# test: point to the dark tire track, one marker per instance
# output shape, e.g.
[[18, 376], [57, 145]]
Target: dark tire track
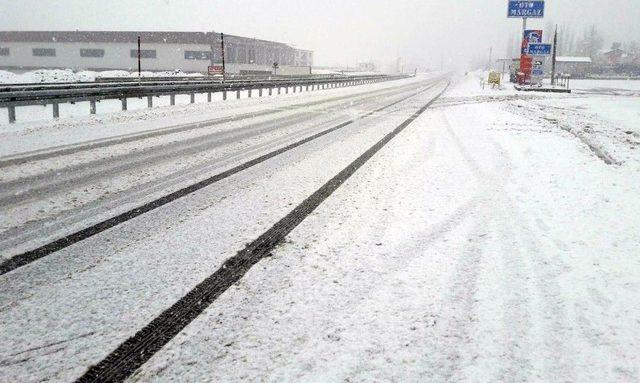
[[28, 257], [137, 350]]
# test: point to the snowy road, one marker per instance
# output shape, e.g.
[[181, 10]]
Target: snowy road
[[487, 241], [54, 190]]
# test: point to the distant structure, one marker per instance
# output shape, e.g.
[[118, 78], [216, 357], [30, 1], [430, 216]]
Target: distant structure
[[161, 51], [366, 67], [576, 67]]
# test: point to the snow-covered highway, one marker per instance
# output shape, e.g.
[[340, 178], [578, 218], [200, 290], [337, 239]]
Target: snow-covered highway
[[484, 239]]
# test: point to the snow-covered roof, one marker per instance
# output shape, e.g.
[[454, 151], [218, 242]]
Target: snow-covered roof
[[571, 59]]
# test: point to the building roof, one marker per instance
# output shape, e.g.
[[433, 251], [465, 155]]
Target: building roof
[[616, 51], [127, 37], [105, 37], [570, 59]]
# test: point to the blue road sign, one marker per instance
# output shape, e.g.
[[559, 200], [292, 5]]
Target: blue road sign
[[538, 72], [526, 8], [533, 36], [539, 49]]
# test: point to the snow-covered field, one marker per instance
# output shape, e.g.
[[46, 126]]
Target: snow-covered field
[[485, 244], [495, 239]]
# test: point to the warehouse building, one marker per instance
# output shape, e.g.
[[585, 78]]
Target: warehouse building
[[160, 51]]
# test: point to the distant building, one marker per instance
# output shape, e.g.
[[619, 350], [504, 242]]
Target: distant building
[[576, 67], [366, 67], [161, 51], [614, 56]]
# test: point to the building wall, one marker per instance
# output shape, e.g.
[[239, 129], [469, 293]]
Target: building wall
[[116, 56], [240, 54]]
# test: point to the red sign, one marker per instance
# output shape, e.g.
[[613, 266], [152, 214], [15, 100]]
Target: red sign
[[216, 69], [526, 64]]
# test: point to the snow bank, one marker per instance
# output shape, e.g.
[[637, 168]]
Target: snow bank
[[68, 75]]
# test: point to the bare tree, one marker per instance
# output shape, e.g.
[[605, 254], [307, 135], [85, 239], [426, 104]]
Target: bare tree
[[591, 42]]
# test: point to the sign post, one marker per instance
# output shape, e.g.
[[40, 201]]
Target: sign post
[[526, 9]]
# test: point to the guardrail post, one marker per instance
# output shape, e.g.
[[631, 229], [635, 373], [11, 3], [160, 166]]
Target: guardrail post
[[300, 88], [249, 92], [149, 101], [238, 94], [192, 98], [279, 89], [307, 88], [172, 99], [209, 97], [56, 110], [12, 114], [270, 91], [92, 106], [260, 92], [124, 103], [286, 89], [295, 88], [224, 95]]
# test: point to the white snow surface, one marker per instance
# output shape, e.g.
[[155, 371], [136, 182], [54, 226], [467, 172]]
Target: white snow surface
[[479, 246], [76, 125], [490, 241], [68, 75]]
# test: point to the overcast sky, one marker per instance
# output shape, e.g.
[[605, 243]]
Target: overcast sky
[[423, 32]]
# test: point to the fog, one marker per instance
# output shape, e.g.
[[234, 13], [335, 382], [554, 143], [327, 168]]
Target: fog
[[426, 33]]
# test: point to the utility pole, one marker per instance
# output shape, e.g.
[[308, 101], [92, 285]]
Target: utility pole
[[224, 69], [553, 59], [139, 60]]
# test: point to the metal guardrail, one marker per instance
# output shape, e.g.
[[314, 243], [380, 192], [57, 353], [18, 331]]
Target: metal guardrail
[[124, 81], [12, 96]]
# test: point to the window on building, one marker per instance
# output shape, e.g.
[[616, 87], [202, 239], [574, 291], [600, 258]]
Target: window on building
[[144, 53], [92, 53], [197, 55], [4, 51], [44, 52]]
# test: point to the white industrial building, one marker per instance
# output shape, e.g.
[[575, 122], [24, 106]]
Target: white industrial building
[[160, 51]]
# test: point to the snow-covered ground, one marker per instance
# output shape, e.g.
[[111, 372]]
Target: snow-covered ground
[[495, 239], [482, 245], [68, 75]]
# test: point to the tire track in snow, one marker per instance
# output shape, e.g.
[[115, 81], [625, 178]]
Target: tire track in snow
[[26, 258], [457, 343], [136, 351]]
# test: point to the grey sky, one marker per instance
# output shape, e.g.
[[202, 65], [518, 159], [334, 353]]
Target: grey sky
[[340, 32]]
